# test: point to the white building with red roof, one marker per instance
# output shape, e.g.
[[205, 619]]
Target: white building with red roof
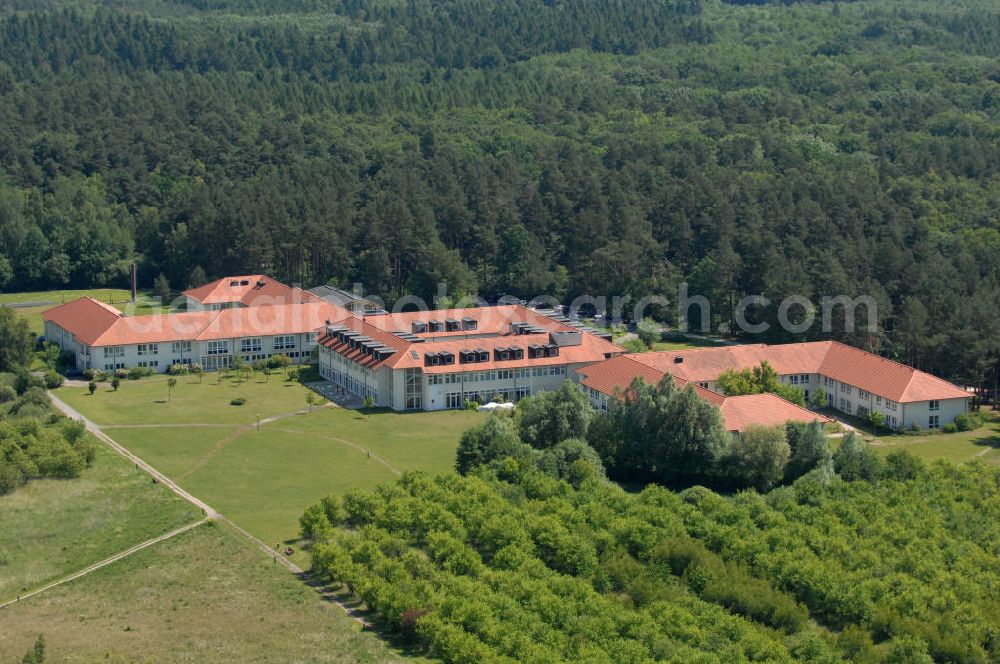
[[244, 291], [104, 338], [432, 360], [854, 381]]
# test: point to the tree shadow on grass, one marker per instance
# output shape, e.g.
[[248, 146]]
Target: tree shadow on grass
[[339, 593], [988, 441]]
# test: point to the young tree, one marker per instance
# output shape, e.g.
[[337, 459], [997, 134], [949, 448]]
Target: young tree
[[809, 447], [92, 387], [494, 439], [817, 399], [313, 399], [876, 419], [759, 380], [648, 331], [197, 277], [51, 352], [757, 457], [660, 433], [551, 417], [161, 288], [115, 383], [856, 460], [37, 653], [16, 340], [171, 383], [197, 370]]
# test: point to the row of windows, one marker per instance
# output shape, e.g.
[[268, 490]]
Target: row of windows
[[799, 378], [147, 349], [151, 364], [488, 376], [458, 399]]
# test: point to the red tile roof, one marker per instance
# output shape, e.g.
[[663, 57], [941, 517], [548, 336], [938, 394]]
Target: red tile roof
[[740, 412], [615, 376], [490, 320], [878, 375], [86, 318], [97, 324], [250, 290]]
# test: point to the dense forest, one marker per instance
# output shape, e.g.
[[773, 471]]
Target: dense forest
[[513, 564], [609, 147], [530, 553]]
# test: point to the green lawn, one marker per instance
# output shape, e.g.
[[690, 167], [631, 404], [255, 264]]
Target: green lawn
[[982, 443], [207, 595], [145, 401], [264, 479], [113, 296], [51, 528]]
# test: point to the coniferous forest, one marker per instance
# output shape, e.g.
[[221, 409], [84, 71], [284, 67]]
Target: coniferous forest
[[609, 147]]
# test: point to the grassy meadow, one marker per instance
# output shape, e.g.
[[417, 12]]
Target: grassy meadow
[[207, 595], [982, 443], [264, 478], [50, 528]]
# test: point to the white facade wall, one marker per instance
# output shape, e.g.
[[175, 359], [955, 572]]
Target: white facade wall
[[439, 391], [160, 355], [357, 379], [852, 400], [921, 412]]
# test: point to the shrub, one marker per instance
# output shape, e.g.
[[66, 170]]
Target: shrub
[[92, 387], [968, 421], [279, 361], [89, 374], [7, 393], [53, 380], [121, 373], [178, 370], [135, 373], [102, 377], [951, 427], [116, 383], [292, 374], [238, 401]]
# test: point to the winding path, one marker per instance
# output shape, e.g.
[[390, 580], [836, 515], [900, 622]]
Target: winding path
[[208, 511]]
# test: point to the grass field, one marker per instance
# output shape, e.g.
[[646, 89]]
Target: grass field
[[50, 528], [205, 596], [114, 296], [145, 401], [264, 479], [982, 443]]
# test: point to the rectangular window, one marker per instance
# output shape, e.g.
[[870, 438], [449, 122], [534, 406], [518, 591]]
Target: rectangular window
[[179, 347], [933, 422], [251, 345], [413, 383], [284, 342], [148, 349], [220, 347], [934, 405]]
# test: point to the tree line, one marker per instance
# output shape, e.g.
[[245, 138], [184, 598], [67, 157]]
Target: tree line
[[605, 147], [509, 562]]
